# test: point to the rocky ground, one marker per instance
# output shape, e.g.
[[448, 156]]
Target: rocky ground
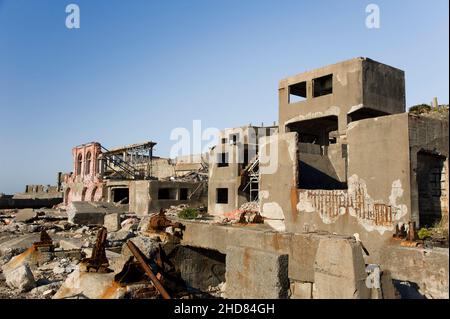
[[31, 269]]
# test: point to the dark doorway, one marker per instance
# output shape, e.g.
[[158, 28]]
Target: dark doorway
[[431, 188], [120, 195], [184, 193]]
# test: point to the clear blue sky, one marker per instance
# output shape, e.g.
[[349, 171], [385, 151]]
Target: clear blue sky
[[137, 69]]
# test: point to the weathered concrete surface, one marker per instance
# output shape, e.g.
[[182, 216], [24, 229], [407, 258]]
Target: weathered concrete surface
[[199, 268], [301, 290], [112, 222], [25, 215], [278, 166], [19, 245], [357, 83], [144, 195], [20, 278], [254, 273], [429, 269], [300, 247], [90, 285], [339, 270], [84, 213]]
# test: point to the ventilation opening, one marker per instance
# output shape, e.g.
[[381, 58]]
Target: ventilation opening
[[120, 195], [323, 85], [297, 92], [432, 188], [222, 160], [167, 193], [364, 113], [184, 193], [222, 196]]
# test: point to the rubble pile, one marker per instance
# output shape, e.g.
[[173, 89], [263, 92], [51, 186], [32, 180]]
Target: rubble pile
[[248, 213], [48, 254]]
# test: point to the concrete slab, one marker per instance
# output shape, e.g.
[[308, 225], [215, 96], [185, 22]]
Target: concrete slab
[[254, 273]]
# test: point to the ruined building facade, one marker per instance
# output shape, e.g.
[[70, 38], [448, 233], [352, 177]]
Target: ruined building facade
[[348, 159], [129, 175]]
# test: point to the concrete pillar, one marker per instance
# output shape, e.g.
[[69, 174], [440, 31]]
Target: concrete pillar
[[257, 274], [339, 270]]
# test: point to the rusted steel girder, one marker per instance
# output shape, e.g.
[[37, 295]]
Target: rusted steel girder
[[138, 255], [44, 241], [160, 222], [98, 261]]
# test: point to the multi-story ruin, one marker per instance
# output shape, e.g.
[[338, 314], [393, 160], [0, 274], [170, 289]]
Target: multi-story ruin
[[129, 175]]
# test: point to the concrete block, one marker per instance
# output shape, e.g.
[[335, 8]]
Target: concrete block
[[84, 213], [302, 256], [112, 222], [90, 285], [25, 215], [301, 290], [20, 278], [254, 273], [339, 270]]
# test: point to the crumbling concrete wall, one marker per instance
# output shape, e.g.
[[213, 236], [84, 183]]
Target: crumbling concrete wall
[[278, 180], [428, 268], [241, 147], [146, 196], [431, 137], [256, 274], [356, 84], [341, 255]]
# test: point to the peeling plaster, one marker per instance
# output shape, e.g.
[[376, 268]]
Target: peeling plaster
[[356, 201], [272, 210]]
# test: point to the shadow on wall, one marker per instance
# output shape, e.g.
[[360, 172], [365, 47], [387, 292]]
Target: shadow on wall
[[312, 178], [407, 289]]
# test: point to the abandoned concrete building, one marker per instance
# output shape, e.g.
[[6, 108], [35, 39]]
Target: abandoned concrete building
[[336, 192], [233, 169], [130, 175]]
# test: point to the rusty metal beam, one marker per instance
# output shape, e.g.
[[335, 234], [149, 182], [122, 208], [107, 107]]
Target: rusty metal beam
[[138, 255]]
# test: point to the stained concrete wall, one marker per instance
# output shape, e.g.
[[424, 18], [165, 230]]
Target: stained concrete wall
[[429, 135], [230, 176], [357, 83], [379, 185], [303, 249], [144, 195], [278, 180]]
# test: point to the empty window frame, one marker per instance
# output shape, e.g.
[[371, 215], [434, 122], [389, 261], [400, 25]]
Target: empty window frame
[[224, 140], [167, 193], [297, 92], [184, 193], [323, 85], [79, 164], [234, 138], [222, 196], [222, 160], [88, 163]]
